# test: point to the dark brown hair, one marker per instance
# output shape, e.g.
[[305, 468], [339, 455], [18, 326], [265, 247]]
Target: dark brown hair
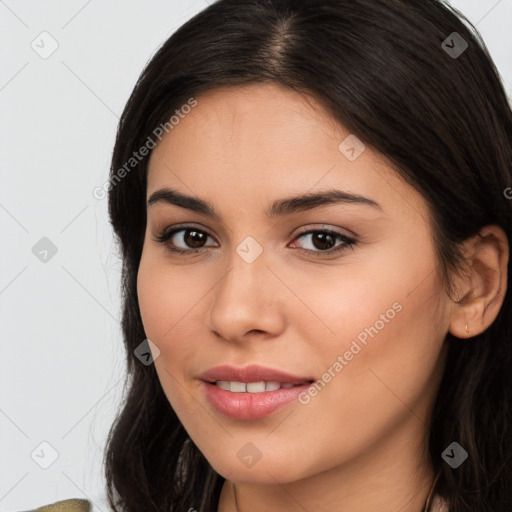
[[380, 67]]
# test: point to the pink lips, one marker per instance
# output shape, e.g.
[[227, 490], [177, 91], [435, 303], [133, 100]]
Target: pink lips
[[250, 406], [251, 373]]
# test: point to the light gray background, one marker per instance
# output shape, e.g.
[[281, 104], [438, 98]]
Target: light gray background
[[62, 362]]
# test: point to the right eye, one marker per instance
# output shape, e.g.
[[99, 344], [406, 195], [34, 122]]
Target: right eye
[[192, 237]]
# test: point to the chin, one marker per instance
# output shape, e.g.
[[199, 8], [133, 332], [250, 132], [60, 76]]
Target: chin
[[267, 470]]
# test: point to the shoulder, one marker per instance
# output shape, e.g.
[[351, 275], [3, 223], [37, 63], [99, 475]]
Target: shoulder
[[73, 505]]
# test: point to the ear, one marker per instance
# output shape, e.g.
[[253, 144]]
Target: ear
[[483, 283]]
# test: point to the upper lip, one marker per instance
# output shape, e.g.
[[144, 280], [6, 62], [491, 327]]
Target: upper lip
[[250, 373]]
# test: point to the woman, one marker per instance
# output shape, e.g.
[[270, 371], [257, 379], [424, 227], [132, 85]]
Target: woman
[[366, 368]]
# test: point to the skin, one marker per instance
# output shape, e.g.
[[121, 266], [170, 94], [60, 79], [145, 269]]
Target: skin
[[360, 444]]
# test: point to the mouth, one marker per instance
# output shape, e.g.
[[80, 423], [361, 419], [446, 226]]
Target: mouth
[[252, 392], [256, 387], [242, 404]]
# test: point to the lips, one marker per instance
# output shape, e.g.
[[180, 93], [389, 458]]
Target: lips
[[251, 392], [252, 373]]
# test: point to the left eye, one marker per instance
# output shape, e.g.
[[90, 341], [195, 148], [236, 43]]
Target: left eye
[[193, 240], [325, 240]]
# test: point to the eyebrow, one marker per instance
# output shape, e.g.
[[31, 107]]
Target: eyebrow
[[278, 208]]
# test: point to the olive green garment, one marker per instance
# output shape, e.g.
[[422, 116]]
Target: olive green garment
[[74, 505]]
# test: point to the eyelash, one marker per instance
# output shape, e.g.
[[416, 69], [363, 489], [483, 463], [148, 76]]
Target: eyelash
[[165, 236]]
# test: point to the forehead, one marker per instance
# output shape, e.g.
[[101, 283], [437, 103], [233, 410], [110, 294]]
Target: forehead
[[249, 144], [251, 120]]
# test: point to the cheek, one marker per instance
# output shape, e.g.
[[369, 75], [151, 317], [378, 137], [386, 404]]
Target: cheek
[[389, 334], [165, 297], [153, 301], [340, 304], [170, 302], [164, 302], [386, 323]]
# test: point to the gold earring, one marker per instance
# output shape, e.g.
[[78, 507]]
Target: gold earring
[[467, 330]]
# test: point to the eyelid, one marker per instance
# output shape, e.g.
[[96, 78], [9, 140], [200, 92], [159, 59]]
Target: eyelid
[[170, 231], [327, 227]]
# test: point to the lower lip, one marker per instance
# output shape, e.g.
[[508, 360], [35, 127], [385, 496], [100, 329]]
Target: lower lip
[[250, 406]]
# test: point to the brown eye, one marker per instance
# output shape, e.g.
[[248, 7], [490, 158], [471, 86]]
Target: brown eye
[[323, 241], [190, 239], [194, 238]]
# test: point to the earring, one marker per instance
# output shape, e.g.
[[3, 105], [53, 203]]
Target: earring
[[467, 330]]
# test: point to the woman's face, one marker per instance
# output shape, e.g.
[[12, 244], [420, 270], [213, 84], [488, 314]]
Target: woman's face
[[353, 312]]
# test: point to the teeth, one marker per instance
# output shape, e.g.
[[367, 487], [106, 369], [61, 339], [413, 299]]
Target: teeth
[[272, 386], [223, 384], [253, 387], [238, 387]]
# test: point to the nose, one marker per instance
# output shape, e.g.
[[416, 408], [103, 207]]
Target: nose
[[248, 301]]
